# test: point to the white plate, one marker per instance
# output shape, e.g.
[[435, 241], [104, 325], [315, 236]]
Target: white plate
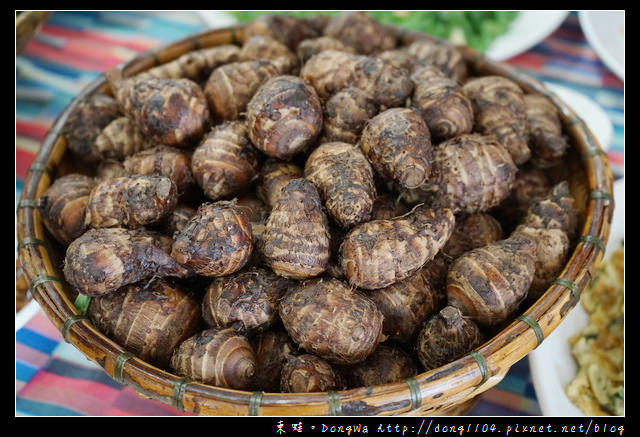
[[589, 111], [552, 366], [605, 32], [525, 31]]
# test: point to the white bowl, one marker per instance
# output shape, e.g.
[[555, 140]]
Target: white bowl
[[605, 32]]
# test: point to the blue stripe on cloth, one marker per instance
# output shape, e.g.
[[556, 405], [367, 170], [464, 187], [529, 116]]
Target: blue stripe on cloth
[[33, 408], [76, 371], [35, 340], [24, 371], [19, 185]]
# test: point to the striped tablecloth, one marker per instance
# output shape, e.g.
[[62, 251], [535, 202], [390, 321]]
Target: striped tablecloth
[[52, 377]]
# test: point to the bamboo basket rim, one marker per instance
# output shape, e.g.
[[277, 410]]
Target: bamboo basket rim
[[429, 392]]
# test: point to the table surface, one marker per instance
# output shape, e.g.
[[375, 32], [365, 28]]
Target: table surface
[[73, 48]]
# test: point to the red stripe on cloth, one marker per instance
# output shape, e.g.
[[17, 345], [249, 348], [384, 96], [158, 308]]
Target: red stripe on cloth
[[129, 400], [75, 60], [43, 326], [23, 161], [580, 50], [530, 61], [31, 356], [99, 392], [134, 42], [30, 129], [611, 80]]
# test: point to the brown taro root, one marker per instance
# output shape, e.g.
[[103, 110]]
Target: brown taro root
[[131, 201], [119, 139], [196, 65], [385, 365], [379, 253], [257, 211], [397, 142], [308, 373], [471, 173], [295, 241], [271, 350], [103, 260], [386, 207], [109, 169], [177, 219], [546, 141], [250, 297], [309, 47], [162, 161], [442, 104], [216, 241], [218, 357], [444, 56], [329, 71], [231, 86], [64, 206], [284, 117], [445, 337], [406, 304], [399, 58], [489, 283], [360, 31], [499, 108], [273, 177], [225, 162], [328, 318], [344, 179], [265, 47], [284, 28], [149, 319], [173, 112], [85, 123], [556, 210], [345, 114]]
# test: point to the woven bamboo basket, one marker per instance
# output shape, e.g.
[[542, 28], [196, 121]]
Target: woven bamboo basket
[[449, 390]]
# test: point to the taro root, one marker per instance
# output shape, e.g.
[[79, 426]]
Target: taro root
[[329, 71], [295, 242], [344, 179], [225, 162], [265, 47], [131, 201], [385, 207], [442, 104], [309, 47], [273, 177], [328, 318], [399, 58], [85, 123], [250, 297], [495, 90], [109, 169], [284, 117], [196, 65], [361, 31], [379, 253], [64, 206], [231, 86], [470, 232], [103, 260], [397, 142], [172, 112], [149, 319], [406, 304], [284, 28], [161, 160], [445, 337], [177, 219], [345, 114], [556, 210], [471, 173], [489, 283], [271, 350], [444, 56], [385, 365], [119, 139], [216, 241], [308, 373], [546, 141], [255, 209], [218, 357]]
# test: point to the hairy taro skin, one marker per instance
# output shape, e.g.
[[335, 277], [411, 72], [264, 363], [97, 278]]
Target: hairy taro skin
[[445, 337], [149, 319], [119, 139], [309, 47], [274, 175], [265, 47], [547, 143], [296, 241], [328, 318], [344, 179], [397, 142], [361, 31], [387, 364], [489, 283], [64, 206], [288, 30], [307, 373], [345, 114], [386, 207], [379, 253], [216, 241], [284, 117], [218, 357], [225, 162], [162, 160], [271, 351], [103, 260], [443, 56], [508, 127], [177, 219], [131, 201]]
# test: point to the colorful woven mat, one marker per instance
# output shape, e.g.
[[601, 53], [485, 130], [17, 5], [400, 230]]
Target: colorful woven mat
[[52, 377]]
